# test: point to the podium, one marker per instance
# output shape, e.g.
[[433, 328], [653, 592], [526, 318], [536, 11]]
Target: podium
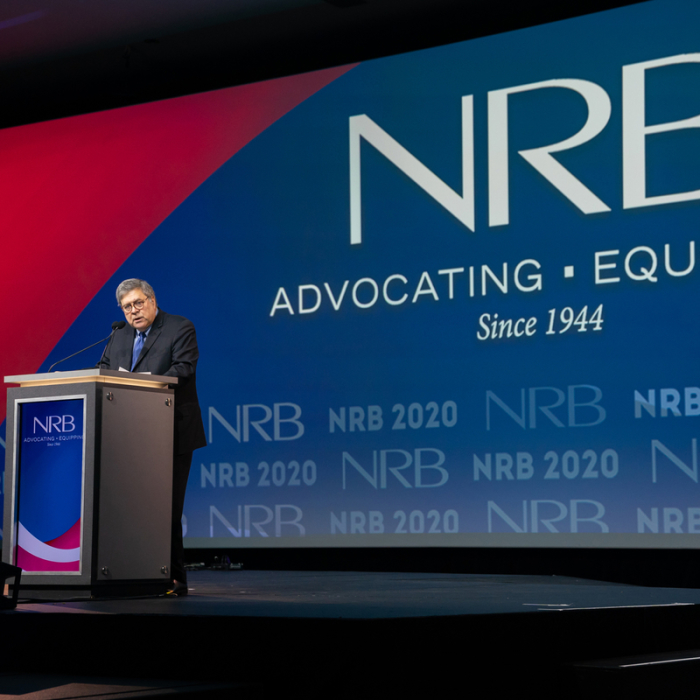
[[88, 481]]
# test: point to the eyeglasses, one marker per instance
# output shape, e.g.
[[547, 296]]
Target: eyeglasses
[[134, 306]]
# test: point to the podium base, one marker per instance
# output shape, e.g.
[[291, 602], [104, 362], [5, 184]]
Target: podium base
[[121, 589]]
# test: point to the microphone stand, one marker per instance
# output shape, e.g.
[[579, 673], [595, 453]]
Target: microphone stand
[[115, 327]]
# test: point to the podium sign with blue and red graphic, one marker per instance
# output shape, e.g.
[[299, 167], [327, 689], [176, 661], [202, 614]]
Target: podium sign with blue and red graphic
[[50, 476]]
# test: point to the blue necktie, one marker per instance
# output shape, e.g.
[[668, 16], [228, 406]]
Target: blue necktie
[[140, 338]]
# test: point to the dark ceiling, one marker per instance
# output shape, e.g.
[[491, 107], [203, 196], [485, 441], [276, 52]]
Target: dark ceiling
[[64, 57]]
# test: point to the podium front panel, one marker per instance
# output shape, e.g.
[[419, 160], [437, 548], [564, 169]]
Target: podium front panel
[[135, 484]]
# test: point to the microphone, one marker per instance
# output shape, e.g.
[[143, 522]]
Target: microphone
[[115, 327]]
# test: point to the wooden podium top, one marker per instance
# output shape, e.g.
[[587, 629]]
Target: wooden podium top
[[82, 376]]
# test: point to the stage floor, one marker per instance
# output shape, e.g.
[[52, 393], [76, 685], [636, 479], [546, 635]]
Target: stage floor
[[316, 635], [356, 595]]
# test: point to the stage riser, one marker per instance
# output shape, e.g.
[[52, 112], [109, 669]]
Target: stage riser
[[503, 651]]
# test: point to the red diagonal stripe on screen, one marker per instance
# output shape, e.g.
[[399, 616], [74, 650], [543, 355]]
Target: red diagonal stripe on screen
[[78, 196]]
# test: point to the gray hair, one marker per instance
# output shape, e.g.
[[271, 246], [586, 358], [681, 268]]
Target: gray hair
[[129, 285]]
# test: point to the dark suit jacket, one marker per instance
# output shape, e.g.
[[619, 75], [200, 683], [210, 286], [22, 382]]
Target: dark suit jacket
[[170, 350]]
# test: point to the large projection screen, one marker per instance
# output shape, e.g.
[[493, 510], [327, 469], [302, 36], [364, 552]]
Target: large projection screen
[[444, 298]]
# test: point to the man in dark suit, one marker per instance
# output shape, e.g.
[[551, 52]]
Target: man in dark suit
[[159, 343]]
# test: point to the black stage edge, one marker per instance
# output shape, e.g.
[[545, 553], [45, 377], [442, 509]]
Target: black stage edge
[[376, 635], [31, 686], [670, 568]]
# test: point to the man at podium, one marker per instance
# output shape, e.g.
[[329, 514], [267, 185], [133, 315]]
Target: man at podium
[[160, 343]]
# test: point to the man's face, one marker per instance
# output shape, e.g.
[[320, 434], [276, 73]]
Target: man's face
[[142, 318]]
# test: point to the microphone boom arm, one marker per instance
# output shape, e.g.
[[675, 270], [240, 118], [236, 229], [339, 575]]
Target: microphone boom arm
[[115, 326]]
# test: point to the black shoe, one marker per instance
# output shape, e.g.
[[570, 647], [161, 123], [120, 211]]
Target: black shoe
[[178, 590]]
